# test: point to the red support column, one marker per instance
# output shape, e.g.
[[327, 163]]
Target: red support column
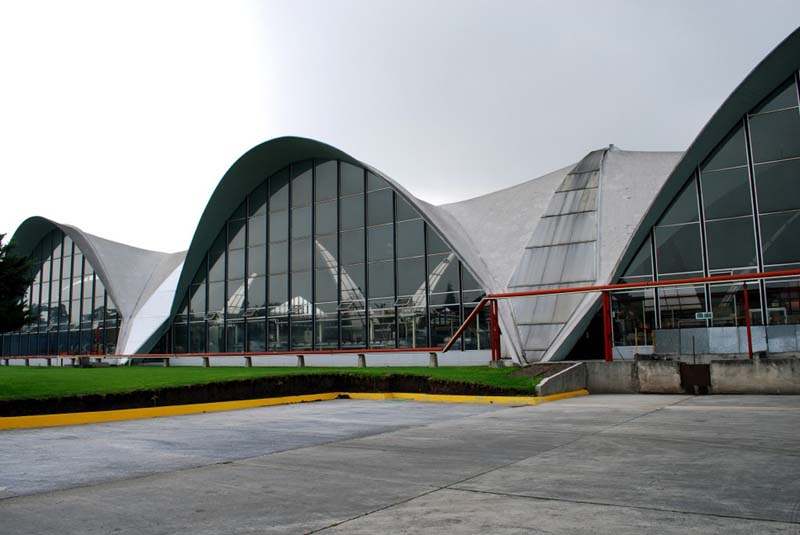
[[494, 330], [607, 327], [747, 322]]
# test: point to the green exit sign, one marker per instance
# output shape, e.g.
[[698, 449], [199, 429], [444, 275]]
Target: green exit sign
[[703, 315]]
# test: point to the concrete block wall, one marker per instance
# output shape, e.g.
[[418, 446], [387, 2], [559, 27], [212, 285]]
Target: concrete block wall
[[659, 377], [760, 376]]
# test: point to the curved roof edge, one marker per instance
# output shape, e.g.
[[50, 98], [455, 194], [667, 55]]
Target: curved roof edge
[[129, 274], [763, 79], [34, 229], [250, 170]]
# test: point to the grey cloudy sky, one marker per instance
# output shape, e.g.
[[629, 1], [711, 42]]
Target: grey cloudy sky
[[121, 117]]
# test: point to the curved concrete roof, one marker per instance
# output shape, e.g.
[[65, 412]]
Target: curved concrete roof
[[130, 275], [773, 70]]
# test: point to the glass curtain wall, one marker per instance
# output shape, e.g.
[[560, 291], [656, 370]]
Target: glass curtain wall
[[324, 255], [738, 213], [74, 314]]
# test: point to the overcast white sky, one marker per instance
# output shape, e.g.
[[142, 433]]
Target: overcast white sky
[[121, 117]]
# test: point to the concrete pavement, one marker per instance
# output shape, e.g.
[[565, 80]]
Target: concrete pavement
[[598, 464]]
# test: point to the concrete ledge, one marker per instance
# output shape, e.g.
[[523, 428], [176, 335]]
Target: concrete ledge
[[659, 377], [760, 376], [568, 380]]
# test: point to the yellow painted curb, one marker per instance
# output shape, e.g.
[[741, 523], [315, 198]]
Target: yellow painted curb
[[77, 418]]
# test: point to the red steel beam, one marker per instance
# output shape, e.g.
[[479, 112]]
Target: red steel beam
[[607, 342], [747, 323]]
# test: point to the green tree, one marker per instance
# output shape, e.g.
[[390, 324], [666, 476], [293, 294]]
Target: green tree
[[16, 274]]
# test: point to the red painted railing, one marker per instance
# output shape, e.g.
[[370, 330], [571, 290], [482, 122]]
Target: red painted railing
[[604, 290]]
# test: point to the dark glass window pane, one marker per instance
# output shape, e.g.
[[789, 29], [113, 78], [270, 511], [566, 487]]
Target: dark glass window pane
[[779, 234], [327, 332], [326, 218], [727, 305], [353, 329], [235, 303], [327, 288], [641, 264], [375, 182], [413, 326], [278, 226], [301, 183], [302, 333], [410, 276], [325, 252], [257, 201], [778, 186], [278, 333], [444, 322], [278, 293], [278, 257], [236, 264], [301, 254], [410, 238], [257, 231], [301, 222], [301, 288], [256, 295], [352, 179], [380, 243], [257, 261], [678, 248], [180, 342], [435, 242], [379, 207], [197, 303], [325, 176], [730, 153], [775, 136], [679, 306], [352, 215], [443, 299], [783, 302], [443, 273], [783, 97], [279, 191], [382, 326], [683, 208], [468, 280], [726, 193], [197, 337], [216, 296], [256, 336], [353, 283], [404, 210], [381, 279], [216, 337], [352, 247], [217, 262], [731, 243]]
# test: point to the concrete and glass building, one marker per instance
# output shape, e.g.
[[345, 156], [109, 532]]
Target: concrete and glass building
[[304, 248]]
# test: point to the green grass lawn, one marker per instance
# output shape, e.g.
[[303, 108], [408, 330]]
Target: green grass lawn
[[18, 382]]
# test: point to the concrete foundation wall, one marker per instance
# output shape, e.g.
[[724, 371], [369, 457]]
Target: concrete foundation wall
[[451, 358], [569, 380], [611, 377], [659, 377], [761, 376]]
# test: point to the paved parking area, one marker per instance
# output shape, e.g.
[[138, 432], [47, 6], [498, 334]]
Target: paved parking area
[[596, 464]]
